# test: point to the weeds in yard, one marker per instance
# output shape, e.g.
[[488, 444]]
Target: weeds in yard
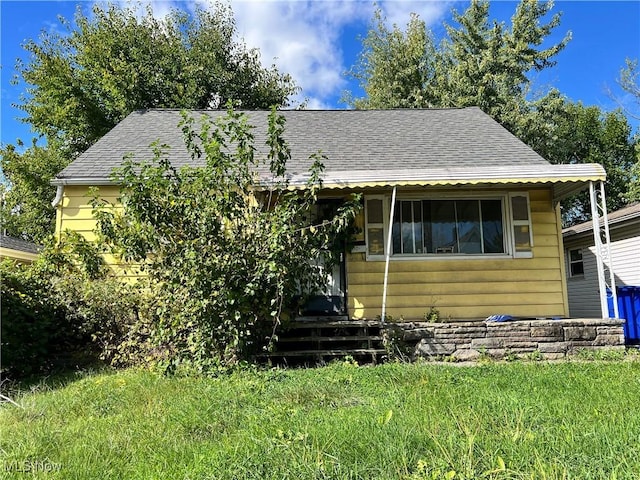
[[535, 356], [510, 356], [433, 315], [484, 356], [396, 421], [606, 354]]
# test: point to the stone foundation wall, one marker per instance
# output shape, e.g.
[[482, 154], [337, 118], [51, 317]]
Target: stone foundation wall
[[551, 339]]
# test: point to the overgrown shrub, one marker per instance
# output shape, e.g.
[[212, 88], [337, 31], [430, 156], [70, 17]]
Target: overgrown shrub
[[64, 310], [227, 254], [30, 322]]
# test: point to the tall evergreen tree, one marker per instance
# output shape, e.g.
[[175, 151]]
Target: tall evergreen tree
[[480, 63]]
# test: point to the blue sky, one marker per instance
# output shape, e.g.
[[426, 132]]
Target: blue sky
[[317, 41]]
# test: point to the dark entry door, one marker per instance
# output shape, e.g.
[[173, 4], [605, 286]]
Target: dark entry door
[[331, 300]]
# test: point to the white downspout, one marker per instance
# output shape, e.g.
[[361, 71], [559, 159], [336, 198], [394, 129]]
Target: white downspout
[[59, 192], [57, 204], [387, 255]]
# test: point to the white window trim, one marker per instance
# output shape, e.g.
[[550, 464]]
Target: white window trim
[[570, 262], [507, 222], [514, 223], [385, 221]]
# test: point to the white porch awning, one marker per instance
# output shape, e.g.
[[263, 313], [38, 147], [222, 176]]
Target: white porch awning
[[566, 179]]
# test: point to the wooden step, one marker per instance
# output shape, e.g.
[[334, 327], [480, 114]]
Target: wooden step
[[354, 338], [328, 353], [314, 322], [310, 339]]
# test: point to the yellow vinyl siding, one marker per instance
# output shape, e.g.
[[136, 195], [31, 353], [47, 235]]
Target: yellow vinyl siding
[[460, 288], [76, 213], [463, 288]]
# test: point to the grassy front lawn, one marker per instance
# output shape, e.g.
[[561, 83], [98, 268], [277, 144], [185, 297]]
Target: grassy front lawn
[[521, 420]]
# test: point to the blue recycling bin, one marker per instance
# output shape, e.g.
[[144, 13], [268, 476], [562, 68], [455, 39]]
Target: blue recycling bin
[[629, 309]]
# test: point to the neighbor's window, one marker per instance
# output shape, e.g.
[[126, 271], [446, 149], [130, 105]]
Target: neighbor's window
[[448, 227], [576, 264]]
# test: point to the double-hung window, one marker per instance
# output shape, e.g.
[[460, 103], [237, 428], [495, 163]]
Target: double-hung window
[[521, 222], [498, 225], [576, 263]]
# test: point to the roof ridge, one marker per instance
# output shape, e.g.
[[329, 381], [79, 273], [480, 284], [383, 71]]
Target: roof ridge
[[429, 109]]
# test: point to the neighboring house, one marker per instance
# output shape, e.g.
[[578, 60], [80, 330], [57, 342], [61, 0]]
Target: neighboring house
[[475, 226], [580, 254], [20, 251]]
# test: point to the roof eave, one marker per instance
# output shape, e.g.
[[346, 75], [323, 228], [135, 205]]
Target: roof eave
[[585, 229], [86, 181]]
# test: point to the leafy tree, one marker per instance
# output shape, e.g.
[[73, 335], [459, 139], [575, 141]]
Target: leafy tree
[[633, 193], [225, 255], [566, 132], [630, 82], [26, 209], [82, 82], [395, 68]]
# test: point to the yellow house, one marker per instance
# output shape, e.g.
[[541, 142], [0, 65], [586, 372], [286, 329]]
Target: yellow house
[[458, 213], [18, 250]]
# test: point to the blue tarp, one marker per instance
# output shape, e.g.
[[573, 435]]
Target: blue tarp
[[499, 318]]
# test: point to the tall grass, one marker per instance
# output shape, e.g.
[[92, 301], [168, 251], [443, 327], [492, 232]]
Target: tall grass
[[498, 421]]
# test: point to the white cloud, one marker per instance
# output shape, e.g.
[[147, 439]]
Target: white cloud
[[398, 11], [160, 8], [302, 38], [305, 38]]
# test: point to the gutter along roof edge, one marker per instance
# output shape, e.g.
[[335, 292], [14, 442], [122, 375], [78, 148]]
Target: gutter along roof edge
[[88, 181]]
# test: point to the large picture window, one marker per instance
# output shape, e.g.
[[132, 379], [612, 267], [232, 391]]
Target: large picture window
[[448, 227], [440, 227]]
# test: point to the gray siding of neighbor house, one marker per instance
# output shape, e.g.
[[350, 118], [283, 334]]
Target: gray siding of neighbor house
[[584, 299], [582, 290], [626, 256]]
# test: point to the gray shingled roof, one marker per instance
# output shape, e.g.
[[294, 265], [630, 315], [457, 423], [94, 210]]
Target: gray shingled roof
[[623, 215], [353, 140], [18, 244]]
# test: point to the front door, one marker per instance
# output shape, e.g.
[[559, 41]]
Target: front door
[[331, 299]]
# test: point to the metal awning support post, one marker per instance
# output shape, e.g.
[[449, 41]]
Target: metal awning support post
[[387, 255], [606, 277]]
